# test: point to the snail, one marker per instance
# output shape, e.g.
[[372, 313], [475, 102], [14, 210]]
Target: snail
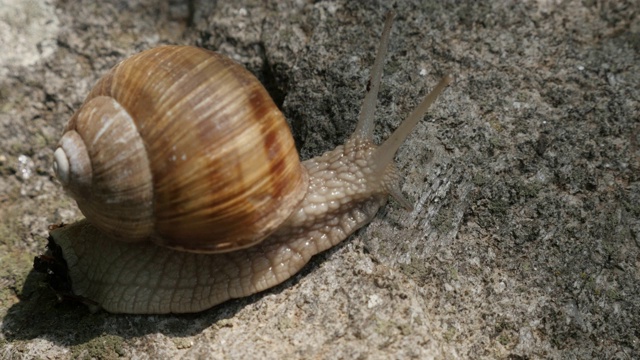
[[192, 188]]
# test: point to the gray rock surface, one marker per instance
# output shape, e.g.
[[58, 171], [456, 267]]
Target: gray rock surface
[[525, 237]]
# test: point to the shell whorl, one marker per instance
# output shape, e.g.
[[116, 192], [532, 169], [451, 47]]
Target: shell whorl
[[212, 165], [108, 172]]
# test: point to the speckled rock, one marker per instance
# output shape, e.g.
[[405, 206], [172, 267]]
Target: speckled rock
[[524, 241]]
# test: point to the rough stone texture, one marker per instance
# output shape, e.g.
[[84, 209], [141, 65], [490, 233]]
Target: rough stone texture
[[525, 237]]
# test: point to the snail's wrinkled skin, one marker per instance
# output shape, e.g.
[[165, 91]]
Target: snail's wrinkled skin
[[147, 278]]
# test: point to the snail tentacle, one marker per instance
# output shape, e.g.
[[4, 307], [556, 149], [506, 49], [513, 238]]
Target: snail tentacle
[[385, 153], [364, 128]]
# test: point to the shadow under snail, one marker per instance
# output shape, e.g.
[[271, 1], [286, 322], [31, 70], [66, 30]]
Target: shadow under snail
[[194, 198]]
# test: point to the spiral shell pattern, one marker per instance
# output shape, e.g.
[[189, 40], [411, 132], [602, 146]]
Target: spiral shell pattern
[[182, 146]]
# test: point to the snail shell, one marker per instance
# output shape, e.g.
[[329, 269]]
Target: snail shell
[[182, 146]]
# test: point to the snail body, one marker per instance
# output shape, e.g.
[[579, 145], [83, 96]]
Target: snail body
[[212, 205]]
